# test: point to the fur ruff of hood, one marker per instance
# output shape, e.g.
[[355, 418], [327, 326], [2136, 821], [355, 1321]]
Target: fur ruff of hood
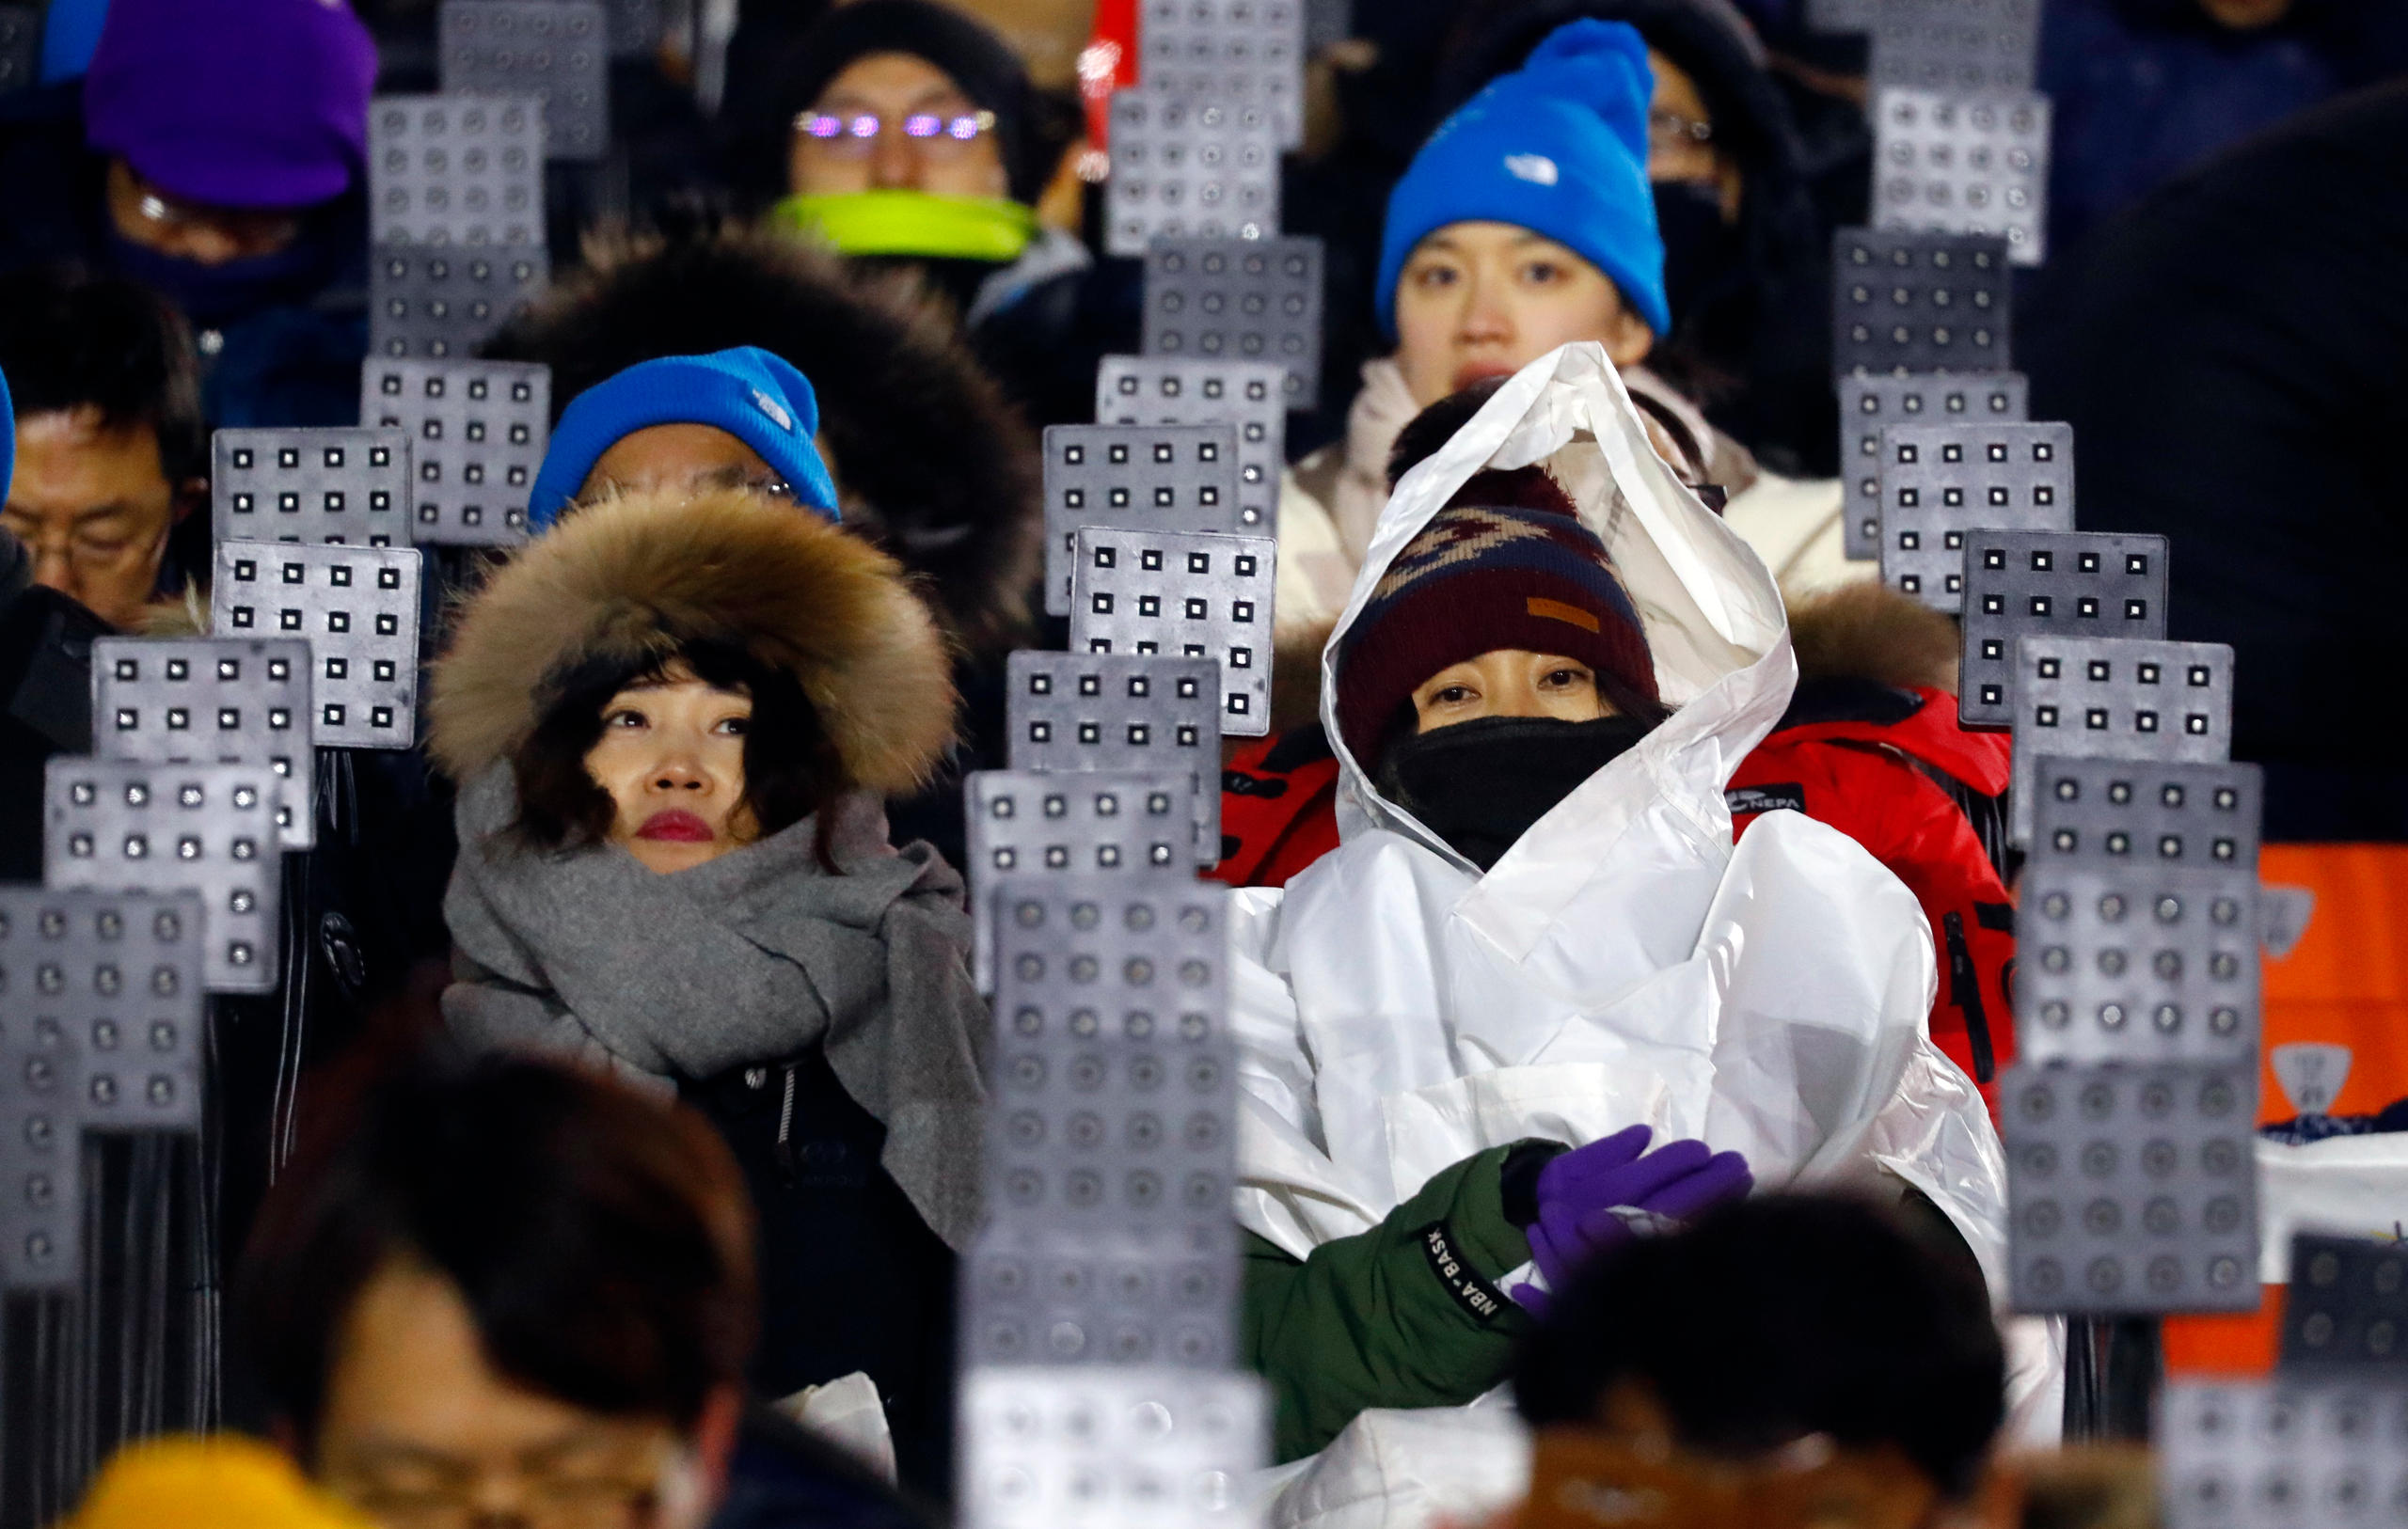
[[931, 460], [633, 576], [1869, 631]]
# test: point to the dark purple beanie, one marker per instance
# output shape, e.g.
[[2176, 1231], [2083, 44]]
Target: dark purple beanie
[[247, 103]]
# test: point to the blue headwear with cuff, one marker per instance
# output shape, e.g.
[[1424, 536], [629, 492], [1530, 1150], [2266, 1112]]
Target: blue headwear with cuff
[[1558, 147], [8, 439], [747, 392]]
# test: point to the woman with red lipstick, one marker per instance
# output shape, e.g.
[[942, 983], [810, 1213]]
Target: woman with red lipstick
[[672, 719]]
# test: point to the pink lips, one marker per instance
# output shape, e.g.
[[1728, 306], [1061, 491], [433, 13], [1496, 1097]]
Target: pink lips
[[1477, 371], [677, 826]]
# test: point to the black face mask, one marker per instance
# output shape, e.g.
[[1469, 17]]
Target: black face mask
[[1480, 784], [1700, 251]]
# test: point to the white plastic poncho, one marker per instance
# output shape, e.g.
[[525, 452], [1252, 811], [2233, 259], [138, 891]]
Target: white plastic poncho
[[1396, 1011]]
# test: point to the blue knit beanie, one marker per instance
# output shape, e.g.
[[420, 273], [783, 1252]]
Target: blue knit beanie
[[751, 394], [8, 439], [1559, 148]]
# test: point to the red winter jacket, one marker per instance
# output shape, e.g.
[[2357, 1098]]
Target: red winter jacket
[[1868, 759], [1891, 768]]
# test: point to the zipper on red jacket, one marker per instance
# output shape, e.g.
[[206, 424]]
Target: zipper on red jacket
[[1965, 992]]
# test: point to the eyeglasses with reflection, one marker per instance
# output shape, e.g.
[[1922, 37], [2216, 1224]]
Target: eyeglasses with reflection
[[855, 132]]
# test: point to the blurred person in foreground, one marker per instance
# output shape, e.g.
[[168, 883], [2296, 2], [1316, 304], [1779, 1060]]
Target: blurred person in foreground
[[111, 493], [1785, 1362], [906, 133], [217, 151], [505, 1292], [1527, 222]]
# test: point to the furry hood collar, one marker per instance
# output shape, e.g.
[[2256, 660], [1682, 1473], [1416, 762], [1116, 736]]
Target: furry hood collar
[[930, 461], [634, 575]]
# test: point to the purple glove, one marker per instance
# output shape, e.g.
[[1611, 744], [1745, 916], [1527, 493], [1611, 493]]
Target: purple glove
[[1588, 1197]]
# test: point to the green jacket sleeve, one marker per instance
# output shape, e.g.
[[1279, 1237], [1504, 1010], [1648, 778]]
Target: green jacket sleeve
[[1405, 1315]]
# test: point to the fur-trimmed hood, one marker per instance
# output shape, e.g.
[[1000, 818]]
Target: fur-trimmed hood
[[633, 576], [930, 461]]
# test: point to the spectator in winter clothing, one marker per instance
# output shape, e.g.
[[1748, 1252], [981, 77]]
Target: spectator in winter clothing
[[2234, 360], [888, 375], [906, 133], [1746, 272], [1527, 222], [504, 1291], [1869, 745], [112, 458], [1536, 924], [671, 720], [1794, 1361], [45, 682], [216, 150]]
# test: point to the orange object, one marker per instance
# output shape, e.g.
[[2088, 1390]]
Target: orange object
[[2344, 983]]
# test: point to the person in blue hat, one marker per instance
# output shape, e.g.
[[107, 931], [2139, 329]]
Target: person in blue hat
[[1527, 222], [735, 418]]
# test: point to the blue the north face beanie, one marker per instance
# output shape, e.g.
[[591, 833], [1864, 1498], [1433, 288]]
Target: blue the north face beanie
[[747, 392], [1558, 147], [8, 439]]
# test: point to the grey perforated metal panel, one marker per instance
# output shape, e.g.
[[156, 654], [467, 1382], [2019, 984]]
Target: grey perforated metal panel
[[2023, 583], [556, 51], [2132, 1188], [1084, 711], [212, 701], [1189, 169], [2345, 1311], [1110, 1449], [20, 48], [42, 1156], [1908, 303], [1185, 595], [1939, 483], [1173, 477], [2105, 698], [478, 432], [1956, 45], [2136, 963], [1868, 404], [118, 976], [2280, 1453], [349, 487], [459, 170], [1243, 53], [2147, 812], [357, 606], [1842, 15], [439, 304], [124, 826], [1247, 299], [1078, 823], [1111, 1150], [1248, 396], [1976, 162]]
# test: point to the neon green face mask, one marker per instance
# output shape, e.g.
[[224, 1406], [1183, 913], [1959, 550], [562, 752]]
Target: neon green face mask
[[911, 223]]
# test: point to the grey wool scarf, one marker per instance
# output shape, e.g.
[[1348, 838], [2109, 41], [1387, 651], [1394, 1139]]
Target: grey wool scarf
[[746, 959]]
